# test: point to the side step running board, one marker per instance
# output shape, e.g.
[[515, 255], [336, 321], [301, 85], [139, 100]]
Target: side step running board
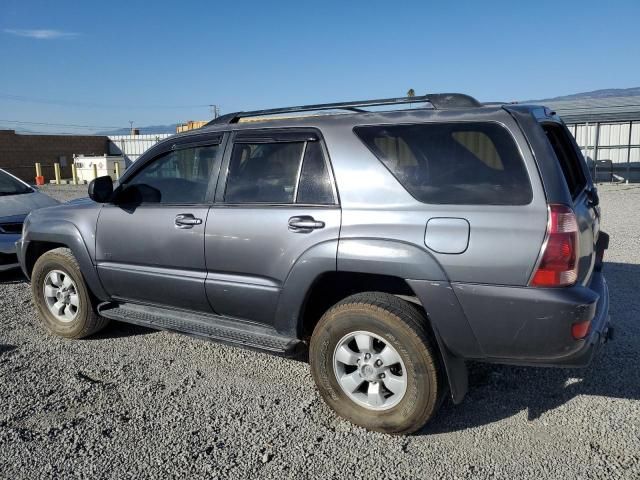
[[212, 327]]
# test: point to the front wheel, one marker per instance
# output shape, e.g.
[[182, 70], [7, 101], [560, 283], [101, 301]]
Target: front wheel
[[61, 296], [375, 364]]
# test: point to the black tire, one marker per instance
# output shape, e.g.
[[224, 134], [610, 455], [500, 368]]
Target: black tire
[[87, 321], [405, 328]]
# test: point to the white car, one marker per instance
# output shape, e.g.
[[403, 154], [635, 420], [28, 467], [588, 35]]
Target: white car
[[17, 199]]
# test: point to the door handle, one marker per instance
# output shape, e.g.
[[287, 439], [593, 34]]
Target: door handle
[[304, 224], [187, 220]]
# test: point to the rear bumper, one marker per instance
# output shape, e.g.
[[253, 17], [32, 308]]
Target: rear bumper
[[8, 258], [600, 330], [532, 326]]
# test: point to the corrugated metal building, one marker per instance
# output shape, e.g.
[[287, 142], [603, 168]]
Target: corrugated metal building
[[132, 146], [605, 129]]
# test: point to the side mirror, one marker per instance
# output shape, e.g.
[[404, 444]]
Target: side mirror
[[101, 189], [136, 194]]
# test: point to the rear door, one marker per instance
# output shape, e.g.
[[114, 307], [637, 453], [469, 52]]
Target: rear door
[[583, 194], [275, 200]]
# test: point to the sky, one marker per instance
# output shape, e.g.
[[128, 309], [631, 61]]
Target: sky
[[102, 64]]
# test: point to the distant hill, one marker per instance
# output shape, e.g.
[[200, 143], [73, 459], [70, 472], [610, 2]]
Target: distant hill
[[143, 130], [604, 93]]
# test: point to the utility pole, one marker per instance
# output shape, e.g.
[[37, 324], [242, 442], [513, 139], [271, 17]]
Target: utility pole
[[215, 111]]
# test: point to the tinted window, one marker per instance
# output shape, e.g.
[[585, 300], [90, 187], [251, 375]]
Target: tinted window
[[180, 176], [263, 172], [567, 156], [452, 163], [11, 186], [315, 184]]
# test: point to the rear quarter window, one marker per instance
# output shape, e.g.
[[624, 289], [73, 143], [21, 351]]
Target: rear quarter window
[[452, 163], [570, 163]]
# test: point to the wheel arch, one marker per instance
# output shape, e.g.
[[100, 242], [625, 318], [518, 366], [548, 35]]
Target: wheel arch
[[55, 234], [323, 295], [332, 271]]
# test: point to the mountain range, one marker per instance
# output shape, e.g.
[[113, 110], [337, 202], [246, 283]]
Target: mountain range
[[604, 93]]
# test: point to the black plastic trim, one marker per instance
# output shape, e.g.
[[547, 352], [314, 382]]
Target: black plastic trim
[[275, 136], [212, 327]]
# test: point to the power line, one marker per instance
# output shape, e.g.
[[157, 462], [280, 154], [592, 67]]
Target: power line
[[68, 103], [20, 122], [39, 132], [19, 126]]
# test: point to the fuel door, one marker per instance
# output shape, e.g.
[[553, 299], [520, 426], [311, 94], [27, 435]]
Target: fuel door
[[447, 235]]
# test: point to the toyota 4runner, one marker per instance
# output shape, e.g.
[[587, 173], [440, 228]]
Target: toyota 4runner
[[392, 246]]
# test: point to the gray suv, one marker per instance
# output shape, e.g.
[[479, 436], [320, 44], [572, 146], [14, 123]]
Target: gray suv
[[389, 246]]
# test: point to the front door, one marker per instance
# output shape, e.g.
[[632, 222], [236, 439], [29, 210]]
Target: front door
[[276, 201], [150, 242]]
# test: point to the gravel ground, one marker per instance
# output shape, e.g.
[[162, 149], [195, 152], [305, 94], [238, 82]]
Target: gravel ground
[[134, 403]]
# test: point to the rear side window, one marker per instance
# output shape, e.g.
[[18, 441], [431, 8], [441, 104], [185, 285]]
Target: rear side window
[[569, 161], [452, 163]]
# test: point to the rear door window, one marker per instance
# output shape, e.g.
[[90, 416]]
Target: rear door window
[[263, 172], [279, 173], [452, 163], [567, 156]]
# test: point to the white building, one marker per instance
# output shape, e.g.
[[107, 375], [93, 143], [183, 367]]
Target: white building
[[132, 146]]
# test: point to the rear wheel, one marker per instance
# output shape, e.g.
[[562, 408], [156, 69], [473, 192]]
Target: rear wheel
[[61, 296], [375, 364]]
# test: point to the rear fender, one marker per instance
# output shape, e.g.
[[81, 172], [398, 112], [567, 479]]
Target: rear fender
[[429, 282], [388, 257], [319, 259]]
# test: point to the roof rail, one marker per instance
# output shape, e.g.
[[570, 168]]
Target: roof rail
[[437, 100]]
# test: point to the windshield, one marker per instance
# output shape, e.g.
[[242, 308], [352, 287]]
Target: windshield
[[11, 186]]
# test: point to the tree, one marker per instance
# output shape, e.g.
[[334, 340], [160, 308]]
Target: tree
[[411, 93]]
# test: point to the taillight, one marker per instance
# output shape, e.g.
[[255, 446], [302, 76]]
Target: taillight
[[558, 266]]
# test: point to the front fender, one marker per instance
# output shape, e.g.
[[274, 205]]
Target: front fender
[[64, 233]]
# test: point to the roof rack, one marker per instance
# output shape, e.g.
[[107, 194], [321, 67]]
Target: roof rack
[[437, 100]]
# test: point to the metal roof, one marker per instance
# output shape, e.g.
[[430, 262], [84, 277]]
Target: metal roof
[[591, 110]]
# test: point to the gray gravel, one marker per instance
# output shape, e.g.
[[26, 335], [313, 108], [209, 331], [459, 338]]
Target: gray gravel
[[136, 403]]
